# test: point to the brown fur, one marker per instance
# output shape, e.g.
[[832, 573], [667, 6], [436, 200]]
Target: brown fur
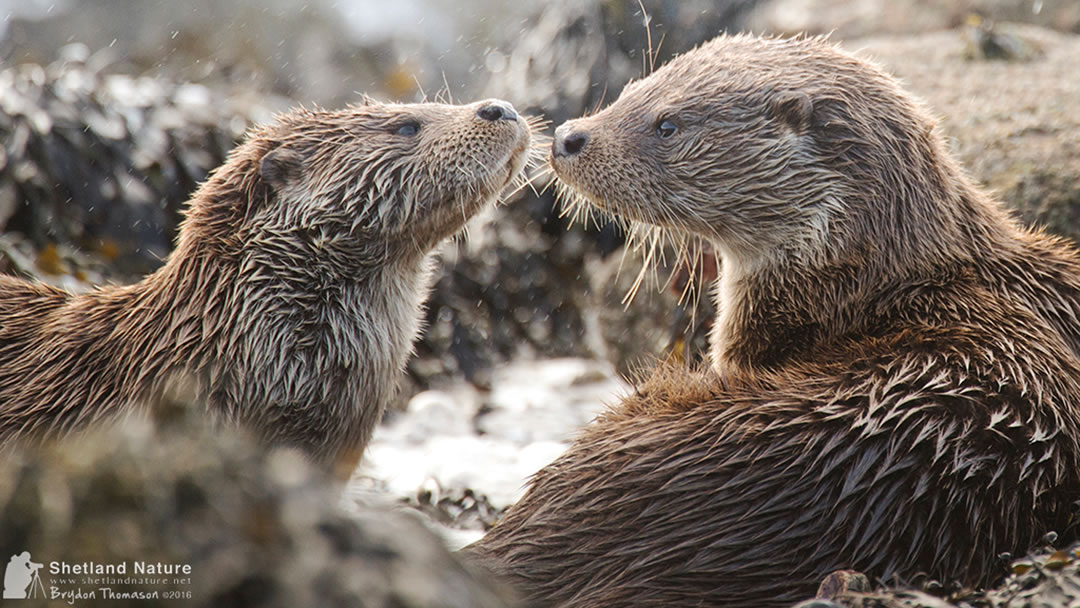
[[895, 377], [292, 297]]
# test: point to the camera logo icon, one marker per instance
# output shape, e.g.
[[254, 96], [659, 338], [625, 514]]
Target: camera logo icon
[[21, 578]]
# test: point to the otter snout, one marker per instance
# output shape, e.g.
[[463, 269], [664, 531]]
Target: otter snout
[[568, 141], [497, 110]]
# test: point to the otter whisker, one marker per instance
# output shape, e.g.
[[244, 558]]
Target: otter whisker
[[646, 21], [600, 102], [528, 182], [537, 122], [420, 87], [575, 206], [446, 87], [659, 45], [632, 292]]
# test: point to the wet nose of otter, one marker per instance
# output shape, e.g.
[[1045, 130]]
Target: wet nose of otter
[[497, 110], [568, 142]]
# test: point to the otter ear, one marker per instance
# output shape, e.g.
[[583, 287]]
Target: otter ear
[[794, 108], [279, 167]]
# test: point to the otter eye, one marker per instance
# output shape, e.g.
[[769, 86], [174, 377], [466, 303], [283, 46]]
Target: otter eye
[[408, 129], [666, 128]]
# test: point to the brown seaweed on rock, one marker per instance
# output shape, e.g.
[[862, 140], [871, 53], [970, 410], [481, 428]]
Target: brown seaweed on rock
[[256, 527]]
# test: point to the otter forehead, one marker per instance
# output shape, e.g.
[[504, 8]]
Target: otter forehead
[[360, 119], [744, 70], [386, 126]]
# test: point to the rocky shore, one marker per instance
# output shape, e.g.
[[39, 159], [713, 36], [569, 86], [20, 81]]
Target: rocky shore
[[528, 337]]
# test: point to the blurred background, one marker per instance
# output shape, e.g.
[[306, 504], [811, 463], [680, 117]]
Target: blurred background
[[112, 111], [326, 51]]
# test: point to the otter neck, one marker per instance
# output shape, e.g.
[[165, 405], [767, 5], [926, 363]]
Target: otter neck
[[166, 327], [91, 356], [777, 309]]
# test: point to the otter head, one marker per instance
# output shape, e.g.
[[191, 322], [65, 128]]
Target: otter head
[[361, 186], [816, 179], [767, 148], [303, 259]]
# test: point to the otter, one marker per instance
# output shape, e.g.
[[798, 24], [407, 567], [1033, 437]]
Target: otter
[[292, 298], [893, 384]]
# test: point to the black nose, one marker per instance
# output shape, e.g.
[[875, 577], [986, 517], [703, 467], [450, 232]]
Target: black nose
[[568, 142], [497, 110]]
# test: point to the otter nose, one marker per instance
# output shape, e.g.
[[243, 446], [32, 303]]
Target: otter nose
[[568, 142], [497, 110]]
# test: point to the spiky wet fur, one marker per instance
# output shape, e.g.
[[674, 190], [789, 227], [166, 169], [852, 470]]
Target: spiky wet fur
[[894, 385], [292, 298]]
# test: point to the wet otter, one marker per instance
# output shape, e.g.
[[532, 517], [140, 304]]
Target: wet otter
[[291, 299], [895, 382]]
